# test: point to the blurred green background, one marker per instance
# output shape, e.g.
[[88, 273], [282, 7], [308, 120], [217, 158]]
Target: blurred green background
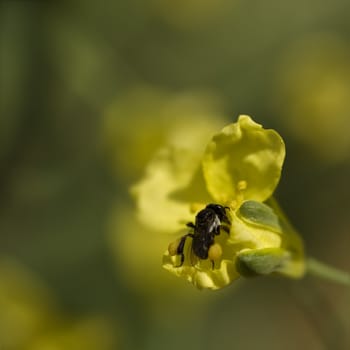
[[89, 90]]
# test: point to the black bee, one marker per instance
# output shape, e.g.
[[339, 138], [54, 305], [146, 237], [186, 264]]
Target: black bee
[[207, 225]]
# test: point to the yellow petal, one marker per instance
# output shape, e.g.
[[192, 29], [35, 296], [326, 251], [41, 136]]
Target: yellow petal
[[144, 118], [243, 161], [205, 273], [170, 171], [173, 179], [201, 274], [252, 236]]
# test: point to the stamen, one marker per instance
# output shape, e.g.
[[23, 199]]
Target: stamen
[[172, 248], [242, 185], [215, 252], [232, 204]]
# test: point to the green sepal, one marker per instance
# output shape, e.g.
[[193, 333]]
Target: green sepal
[[259, 214], [257, 262]]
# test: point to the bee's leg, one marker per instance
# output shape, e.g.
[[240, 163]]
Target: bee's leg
[[225, 218], [225, 228], [180, 248], [190, 224], [212, 264]]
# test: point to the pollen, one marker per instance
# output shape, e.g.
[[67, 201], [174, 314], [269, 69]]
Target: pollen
[[242, 185], [172, 248], [233, 204], [215, 252]]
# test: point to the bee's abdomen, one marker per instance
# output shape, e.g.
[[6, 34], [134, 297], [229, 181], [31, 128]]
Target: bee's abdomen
[[201, 247]]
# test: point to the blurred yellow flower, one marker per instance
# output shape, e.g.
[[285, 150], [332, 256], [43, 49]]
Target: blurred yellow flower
[[143, 118], [140, 249], [137, 252], [31, 320], [140, 246], [26, 305], [238, 171], [92, 333], [313, 93], [174, 127]]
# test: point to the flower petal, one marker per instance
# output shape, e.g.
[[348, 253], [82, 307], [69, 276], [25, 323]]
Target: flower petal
[[260, 242], [170, 171], [252, 235], [243, 160], [173, 179], [202, 275]]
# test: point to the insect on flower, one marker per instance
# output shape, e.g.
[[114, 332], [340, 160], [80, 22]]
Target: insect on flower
[[207, 225], [240, 167]]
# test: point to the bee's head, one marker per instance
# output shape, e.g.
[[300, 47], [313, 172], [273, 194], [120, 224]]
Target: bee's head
[[219, 210]]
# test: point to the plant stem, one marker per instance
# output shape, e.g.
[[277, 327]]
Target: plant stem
[[319, 269]]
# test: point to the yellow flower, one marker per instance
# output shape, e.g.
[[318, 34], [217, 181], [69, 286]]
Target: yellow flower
[[244, 233]]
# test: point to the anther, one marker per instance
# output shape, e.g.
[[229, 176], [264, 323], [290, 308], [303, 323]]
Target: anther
[[215, 252], [242, 185]]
